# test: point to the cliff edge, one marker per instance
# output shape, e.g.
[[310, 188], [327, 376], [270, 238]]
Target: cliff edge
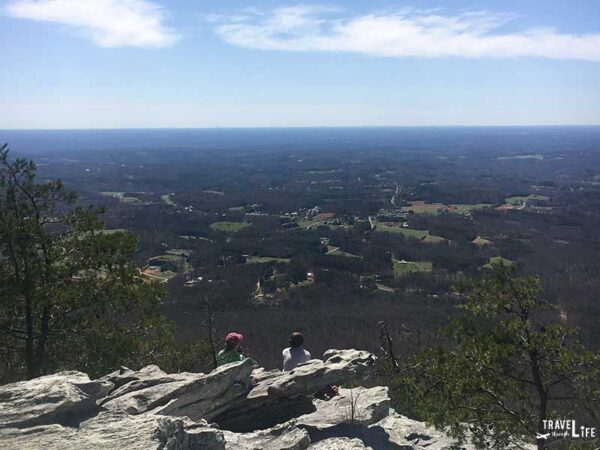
[[238, 406]]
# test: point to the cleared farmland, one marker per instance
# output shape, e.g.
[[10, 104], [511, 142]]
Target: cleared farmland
[[229, 227], [406, 267]]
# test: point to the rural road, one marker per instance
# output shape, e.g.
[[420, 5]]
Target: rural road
[[381, 287], [393, 199], [372, 223]]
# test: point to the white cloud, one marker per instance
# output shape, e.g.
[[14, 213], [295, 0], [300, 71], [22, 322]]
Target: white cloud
[[404, 33], [109, 23]]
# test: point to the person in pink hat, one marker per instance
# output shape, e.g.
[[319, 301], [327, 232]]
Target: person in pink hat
[[231, 352]]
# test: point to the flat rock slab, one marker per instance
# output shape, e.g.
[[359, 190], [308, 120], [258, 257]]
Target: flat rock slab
[[64, 397], [283, 437], [358, 405], [340, 444], [115, 431], [362, 416], [411, 434]]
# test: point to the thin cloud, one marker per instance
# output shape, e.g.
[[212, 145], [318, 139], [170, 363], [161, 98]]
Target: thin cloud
[[109, 23], [404, 33]]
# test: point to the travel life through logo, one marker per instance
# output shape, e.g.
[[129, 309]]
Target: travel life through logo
[[566, 428]]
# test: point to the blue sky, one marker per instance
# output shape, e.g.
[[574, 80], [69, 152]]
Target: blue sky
[[195, 63]]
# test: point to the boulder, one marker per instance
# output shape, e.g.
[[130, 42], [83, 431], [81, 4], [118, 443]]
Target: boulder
[[207, 396], [182, 434], [65, 397], [124, 375], [126, 380], [145, 399], [192, 395]]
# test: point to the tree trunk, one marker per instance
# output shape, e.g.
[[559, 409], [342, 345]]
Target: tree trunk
[[211, 340], [542, 444], [542, 396], [43, 340], [30, 361]]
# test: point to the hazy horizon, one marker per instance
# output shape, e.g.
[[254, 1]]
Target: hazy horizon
[[105, 64], [308, 127]]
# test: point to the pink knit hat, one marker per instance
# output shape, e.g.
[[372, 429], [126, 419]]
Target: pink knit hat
[[234, 338]]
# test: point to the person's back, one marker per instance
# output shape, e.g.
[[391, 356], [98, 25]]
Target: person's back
[[295, 353], [229, 356]]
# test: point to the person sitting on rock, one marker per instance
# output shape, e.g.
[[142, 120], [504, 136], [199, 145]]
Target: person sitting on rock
[[231, 352], [295, 353]]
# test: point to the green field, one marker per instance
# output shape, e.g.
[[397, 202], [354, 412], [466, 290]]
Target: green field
[[393, 213], [464, 209], [420, 207], [265, 259], [116, 230], [162, 277], [517, 200], [481, 241], [423, 208], [303, 223], [310, 224], [167, 199], [498, 260], [433, 239], [336, 251], [408, 232], [179, 252], [124, 198], [229, 227], [180, 261], [403, 268], [313, 224]]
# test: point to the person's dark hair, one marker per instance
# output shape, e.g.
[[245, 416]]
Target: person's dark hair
[[296, 339]]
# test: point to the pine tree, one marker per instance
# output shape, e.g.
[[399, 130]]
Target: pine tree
[[70, 296], [508, 366]]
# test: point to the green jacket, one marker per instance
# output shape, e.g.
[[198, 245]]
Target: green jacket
[[226, 357]]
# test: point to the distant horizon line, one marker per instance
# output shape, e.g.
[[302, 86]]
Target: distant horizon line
[[306, 127]]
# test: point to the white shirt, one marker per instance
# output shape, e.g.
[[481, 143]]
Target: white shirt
[[292, 356]]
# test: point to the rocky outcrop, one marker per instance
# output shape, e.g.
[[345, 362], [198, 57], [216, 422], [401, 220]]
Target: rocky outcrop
[[64, 397], [358, 406], [278, 396], [116, 430], [237, 406], [194, 395]]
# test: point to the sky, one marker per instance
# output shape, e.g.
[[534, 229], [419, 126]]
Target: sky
[[70, 64]]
